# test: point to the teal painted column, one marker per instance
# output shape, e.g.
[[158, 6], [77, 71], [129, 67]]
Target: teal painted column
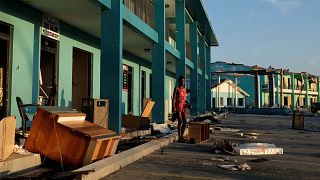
[[277, 89], [318, 90], [202, 79], [261, 91], [194, 91], [159, 64], [306, 86], [36, 61], [293, 102], [111, 62], [180, 38], [208, 81]]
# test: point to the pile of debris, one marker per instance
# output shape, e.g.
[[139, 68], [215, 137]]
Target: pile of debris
[[229, 148], [212, 116]]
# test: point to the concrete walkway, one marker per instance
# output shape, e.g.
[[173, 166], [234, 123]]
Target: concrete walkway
[[194, 161]]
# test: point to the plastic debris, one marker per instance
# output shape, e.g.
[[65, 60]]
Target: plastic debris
[[233, 167], [19, 150], [257, 149], [225, 147], [226, 129]]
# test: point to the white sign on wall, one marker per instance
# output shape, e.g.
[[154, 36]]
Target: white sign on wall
[[50, 27]]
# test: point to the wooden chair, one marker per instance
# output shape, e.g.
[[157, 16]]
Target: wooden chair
[[22, 111], [139, 122]]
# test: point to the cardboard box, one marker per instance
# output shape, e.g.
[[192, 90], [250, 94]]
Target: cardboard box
[[68, 138], [199, 131], [97, 111], [139, 122], [7, 133]]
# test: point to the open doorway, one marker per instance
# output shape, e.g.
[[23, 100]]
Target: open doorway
[[81, 77], [143, 88], [5, 32], [130, 89], [48, 71]]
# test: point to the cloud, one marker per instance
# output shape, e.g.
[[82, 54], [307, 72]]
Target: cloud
[[285, 6]]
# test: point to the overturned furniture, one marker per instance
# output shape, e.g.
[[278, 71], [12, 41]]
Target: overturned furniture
[[139, 122], [68, 138], [7, 132]]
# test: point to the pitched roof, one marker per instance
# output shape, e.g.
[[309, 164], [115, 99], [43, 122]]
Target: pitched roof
[[231, 83]]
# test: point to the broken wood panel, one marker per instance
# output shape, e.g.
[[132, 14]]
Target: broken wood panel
[[7, 132]]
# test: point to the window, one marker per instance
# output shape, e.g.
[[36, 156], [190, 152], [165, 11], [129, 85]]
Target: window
[[221, 101], [214, 102], [285, 101], [229, 101], [240, 102]]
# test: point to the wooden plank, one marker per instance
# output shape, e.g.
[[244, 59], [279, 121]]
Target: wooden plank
[[114, 147], [147, 109], [96, 150], [7, 133], [90, 152], [102, 149]]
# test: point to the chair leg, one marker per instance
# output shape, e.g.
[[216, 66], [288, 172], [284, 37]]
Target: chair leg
[[24, 127]]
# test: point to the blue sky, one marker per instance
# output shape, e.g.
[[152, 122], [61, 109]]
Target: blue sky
[[281, 33]]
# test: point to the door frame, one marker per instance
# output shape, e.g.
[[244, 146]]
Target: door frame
[[56, 68], [8, 72], [90, 70]]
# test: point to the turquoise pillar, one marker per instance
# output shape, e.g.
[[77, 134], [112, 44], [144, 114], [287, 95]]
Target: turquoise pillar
[[194, 91], [202, 79], [180, 38], [262, 102], [208, 81], [36, 61], [277, 90], [306, 86], [318, 87], [159, 63], [111, 61], [293, 103]]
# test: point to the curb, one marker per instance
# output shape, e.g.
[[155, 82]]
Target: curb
[[17, 162], [114, 163]]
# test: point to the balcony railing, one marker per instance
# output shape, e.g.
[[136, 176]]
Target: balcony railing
[[143, 9]]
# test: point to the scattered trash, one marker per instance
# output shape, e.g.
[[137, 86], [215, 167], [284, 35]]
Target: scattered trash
[[207, 121], [257, 149], [217, 159], [209, 164], [211, 117], [223, 148], [160, 128], [316, 155], [223, 159], [252, 137], [226, 129], [259, 160], [244, 167], [232, 167], [19, 150], [248, 135]]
